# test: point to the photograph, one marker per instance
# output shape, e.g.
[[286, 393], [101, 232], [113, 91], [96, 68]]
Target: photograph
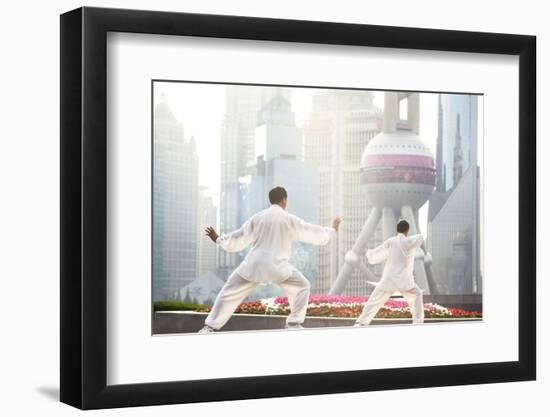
[[275, 209], [280, 207]]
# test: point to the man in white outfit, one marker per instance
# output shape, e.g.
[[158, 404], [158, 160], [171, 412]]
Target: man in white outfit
[[270, 232], [399, 253]]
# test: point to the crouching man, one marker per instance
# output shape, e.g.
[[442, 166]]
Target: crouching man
[[271, 233]]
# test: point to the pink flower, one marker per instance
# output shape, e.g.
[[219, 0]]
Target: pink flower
[[324, 305]]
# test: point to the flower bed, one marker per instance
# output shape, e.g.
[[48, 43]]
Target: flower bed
[[349, 307]]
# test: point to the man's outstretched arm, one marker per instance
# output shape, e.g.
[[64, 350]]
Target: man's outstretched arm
[[415, 241], [379, 253], [314, 234], [235, 241]]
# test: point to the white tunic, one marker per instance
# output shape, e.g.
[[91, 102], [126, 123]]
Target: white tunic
[[271, 232], [399, 253]]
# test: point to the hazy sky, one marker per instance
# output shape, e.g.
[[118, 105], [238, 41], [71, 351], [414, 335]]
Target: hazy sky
[[200, 107]]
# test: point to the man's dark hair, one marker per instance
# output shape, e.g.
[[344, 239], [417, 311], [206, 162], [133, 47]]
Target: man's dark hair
[[402, 226], [277, 195]]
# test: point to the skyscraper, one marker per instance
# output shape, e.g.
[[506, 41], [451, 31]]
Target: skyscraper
[[206, 249], [453, 215], [242, 107], [457, 140], [336, 132], [279, 162], [175, 188], [457, 154]]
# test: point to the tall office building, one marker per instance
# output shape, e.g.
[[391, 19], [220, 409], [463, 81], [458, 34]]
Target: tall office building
[[454, 209], [457, 138], [206, 250], [341, 124], [175, 188], [242, 107], [279, 162]]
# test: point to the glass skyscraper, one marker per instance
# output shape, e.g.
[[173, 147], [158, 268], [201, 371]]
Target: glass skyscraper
[[341, 124], [175, 192], [454, 208]]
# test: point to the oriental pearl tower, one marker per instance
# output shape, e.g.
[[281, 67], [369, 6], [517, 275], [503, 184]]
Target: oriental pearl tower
[[397, 169]]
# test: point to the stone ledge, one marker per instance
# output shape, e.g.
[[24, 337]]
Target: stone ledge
[[167, 322]]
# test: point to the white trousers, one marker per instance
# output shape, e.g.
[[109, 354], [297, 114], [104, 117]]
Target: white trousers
[[379, 296], [235, 290]]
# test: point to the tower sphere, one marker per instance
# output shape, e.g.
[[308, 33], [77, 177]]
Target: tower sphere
[[398, 169]]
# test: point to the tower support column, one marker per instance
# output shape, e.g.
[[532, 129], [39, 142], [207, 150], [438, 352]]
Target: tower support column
[[353, 256], [388, 223]]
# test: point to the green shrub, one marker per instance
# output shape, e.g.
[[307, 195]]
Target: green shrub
[[173, 305]]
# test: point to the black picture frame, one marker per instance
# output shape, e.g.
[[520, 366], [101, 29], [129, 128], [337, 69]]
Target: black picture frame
[[83, 153]]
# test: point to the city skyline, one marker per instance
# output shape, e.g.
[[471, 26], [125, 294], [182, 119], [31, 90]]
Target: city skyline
[[200, 108], [226, 126]]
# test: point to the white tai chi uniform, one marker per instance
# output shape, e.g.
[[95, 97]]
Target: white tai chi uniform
[[399, 253], [271, 232]]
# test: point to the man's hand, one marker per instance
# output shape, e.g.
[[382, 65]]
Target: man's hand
[[211, 233], [336, 223]]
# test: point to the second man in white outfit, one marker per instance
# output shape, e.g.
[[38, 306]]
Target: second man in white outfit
[[399, 254], [270, 232]]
